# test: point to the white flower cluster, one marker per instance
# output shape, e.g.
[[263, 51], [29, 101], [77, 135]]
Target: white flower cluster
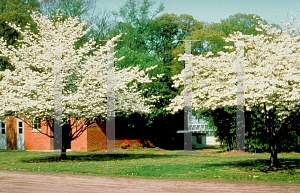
[[30, 94], [271, 67]]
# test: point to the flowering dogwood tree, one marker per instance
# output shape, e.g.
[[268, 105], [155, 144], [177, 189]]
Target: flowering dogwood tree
[[28, 92], [271, 80]]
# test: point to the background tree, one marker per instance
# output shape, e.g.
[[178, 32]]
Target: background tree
[[15, 11], [137, 26], [136, 19], [158, 121], [103, 26], [165, 31], [79, 8]]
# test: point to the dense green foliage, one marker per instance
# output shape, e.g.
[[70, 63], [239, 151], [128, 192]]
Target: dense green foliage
[[159, 124], [15, 12], [150, 39], [256, 135]]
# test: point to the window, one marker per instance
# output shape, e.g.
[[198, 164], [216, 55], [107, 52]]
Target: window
[[2, 127], [20, 127], [36, 124]]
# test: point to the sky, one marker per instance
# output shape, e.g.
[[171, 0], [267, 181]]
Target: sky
[[215, 10]]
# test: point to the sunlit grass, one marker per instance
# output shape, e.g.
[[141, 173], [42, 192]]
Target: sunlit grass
[[160, 164]]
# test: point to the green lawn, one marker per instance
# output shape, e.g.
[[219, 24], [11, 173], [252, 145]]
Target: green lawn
[[209, 164]]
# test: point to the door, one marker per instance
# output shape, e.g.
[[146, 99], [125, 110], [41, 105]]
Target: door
[[20, 134], [3, 140]]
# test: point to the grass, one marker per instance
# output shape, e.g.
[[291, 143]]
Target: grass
[[210, 164]]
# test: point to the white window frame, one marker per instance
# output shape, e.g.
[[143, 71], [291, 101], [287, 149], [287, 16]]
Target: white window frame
[[34, 124]]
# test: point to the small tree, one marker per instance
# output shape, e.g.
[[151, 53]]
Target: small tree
[[28, 92]]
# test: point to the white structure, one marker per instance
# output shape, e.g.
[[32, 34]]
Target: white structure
[[202, 133]]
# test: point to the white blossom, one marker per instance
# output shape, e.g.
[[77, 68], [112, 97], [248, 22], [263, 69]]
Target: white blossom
[[269, 67], [30, 94]]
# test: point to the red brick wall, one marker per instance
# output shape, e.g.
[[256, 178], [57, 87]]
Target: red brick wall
[[91, 140], [80, 143], [36, 141], [96, 137]]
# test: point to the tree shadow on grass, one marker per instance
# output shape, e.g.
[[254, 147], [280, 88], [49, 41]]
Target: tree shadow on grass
[[214, 148], [211, 147], [262, 165], [95, 157]]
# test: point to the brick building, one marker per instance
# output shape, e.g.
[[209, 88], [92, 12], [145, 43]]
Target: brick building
[[17, 135]]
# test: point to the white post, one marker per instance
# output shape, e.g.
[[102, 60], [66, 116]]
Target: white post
[[240, 117], [110, 121], [188, 98], [58, 97]]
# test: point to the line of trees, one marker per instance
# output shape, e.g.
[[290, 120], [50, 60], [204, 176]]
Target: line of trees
[[149, 39]]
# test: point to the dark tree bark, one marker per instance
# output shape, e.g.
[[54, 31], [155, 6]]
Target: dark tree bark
[[273, 147], [66, 139], [63, 154]]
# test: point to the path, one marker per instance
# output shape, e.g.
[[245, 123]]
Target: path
[[11, 181]]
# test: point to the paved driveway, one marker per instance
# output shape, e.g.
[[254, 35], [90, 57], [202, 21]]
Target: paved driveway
[[40, 182]]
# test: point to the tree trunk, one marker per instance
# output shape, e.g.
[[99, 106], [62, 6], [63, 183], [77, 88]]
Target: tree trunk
[[273, 146], [66, 140], [63, 154], [273, 159]]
